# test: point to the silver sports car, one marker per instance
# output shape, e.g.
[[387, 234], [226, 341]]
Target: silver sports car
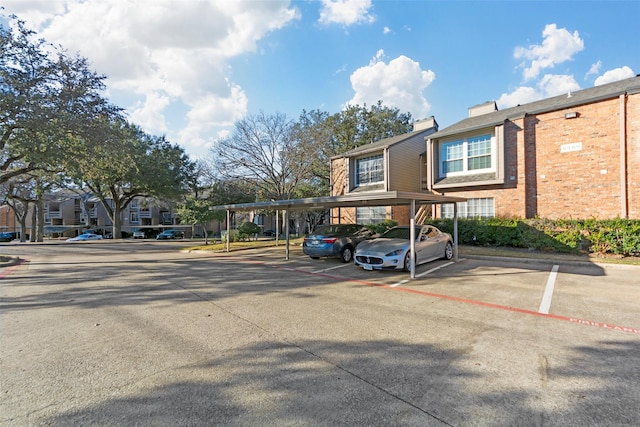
[[391, 250]]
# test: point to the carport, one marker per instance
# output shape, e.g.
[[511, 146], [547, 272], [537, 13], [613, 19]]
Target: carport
[[387, 198]]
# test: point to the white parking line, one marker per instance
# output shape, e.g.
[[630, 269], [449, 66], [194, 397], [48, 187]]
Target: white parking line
[[545, 304], [330, 268], [434, 269], [402, 282]]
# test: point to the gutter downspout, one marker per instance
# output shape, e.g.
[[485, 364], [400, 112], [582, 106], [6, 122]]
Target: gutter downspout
[[386, 169], [624, 196]]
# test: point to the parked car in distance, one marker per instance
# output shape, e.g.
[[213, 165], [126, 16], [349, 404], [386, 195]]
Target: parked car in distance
[[391, 249], [170, 234], [139, 234], [85, 237], [7, 236], [336, 240]]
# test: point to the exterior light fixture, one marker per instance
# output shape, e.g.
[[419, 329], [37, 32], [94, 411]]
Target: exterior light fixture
[[571, 115]]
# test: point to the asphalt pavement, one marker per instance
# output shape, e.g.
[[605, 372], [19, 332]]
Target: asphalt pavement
[[140, 333]]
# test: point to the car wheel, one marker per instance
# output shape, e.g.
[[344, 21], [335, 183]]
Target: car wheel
[[407, 261], [448, 251], [346, 254]]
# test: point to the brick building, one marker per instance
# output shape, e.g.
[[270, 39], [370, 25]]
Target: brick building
[[571, 156], [67, 214], [390, 164]]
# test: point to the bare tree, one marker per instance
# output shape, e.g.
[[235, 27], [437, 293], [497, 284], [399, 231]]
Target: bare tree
[[263, 152]]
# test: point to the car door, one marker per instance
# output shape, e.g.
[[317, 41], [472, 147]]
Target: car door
[[422, 246], [428, 244]]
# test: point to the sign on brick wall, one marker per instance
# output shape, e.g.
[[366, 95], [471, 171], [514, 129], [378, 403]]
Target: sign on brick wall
[[567, 148]]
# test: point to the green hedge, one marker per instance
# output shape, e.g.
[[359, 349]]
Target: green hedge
[[618, 236]]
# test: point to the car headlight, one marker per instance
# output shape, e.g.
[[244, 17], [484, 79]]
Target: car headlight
[[397, 252]]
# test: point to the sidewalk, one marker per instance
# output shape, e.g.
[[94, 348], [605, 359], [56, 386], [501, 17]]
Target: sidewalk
[[526, 255]]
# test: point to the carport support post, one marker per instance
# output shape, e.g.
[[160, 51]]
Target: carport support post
[[286, 234], [412, 238], [228, 230], [455, 232]]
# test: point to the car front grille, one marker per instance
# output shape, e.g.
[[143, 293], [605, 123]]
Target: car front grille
[[371, 260]]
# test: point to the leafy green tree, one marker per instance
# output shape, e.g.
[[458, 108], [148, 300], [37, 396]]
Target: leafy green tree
[[119, 162], [196, 211], [44, 98]]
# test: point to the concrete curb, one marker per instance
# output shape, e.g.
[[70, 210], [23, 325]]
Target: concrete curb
[[553, 261], [11, 262]]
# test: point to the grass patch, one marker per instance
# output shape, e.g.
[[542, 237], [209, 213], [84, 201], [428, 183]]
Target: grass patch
[[542, 255], [247, 244]]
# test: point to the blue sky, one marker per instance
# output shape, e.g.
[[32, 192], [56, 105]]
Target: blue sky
[[190, 69]]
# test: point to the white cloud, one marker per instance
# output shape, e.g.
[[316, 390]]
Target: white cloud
[[557, 84], [614, 75], [346, 12], [521, 95], [162, 53], [208, 113], [595, 69], [559, 45], [386, 30], [398, 84], [549, 85], [148, 114]]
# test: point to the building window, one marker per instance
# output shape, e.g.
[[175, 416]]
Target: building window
[[466, 155], [369, 170], [371, 215], [134, 217], [472, 208], [166, 218]]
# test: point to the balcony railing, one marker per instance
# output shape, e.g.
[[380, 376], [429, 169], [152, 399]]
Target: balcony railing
[[53, 214]]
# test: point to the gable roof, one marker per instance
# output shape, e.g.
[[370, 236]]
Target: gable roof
[[383, 143], [585, 96]]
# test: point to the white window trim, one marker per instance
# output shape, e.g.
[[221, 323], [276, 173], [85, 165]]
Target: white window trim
[[357, 170], [465, 157], [463, 209], [371, 219]]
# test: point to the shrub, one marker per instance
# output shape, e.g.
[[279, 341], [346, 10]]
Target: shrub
[[383, 226], [618, 236], [248, 229]]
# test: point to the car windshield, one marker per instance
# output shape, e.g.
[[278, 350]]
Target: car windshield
[[399, 233], [337, 229]]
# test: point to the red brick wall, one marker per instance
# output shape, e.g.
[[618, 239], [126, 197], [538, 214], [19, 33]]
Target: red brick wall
[[402, 214], [633, 155], [583, 183], [540, 180]]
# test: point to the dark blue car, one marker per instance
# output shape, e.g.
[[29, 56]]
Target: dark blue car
[[170, 234], [337, 240], [7, 236]]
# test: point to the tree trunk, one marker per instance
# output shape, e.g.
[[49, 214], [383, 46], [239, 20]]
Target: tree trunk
[[117, 221], [40, 221], [34, 219]]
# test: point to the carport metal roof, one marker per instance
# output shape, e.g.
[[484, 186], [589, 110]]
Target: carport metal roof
[[386, 198]]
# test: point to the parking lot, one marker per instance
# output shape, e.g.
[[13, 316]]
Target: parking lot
[[141, 333]]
